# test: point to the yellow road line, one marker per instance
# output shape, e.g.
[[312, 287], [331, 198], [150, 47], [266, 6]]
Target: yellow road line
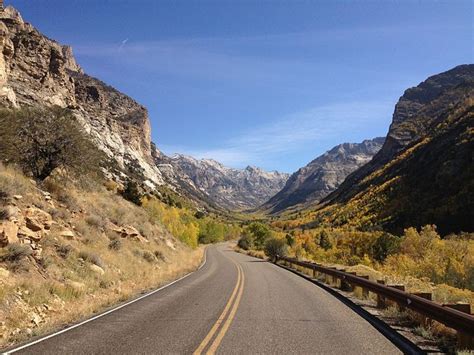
[[221, 318], [225, 327]]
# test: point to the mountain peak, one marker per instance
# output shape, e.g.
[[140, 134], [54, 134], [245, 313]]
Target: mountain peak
[[324, 174], [229, 187]]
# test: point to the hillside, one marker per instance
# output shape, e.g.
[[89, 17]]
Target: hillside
[[424, 172], [323, 175], [35, 70], [228, 188]]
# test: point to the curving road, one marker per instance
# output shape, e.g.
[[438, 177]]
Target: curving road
[[235, 304]]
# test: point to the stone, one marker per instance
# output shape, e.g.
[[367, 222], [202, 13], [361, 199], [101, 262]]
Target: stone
[[34, 224], [8, 233], [127, 231], [17, 197], [170, 244], [97, 269], [4, 273], [35, 318], [26, 233], [37, 219], [67, 233]]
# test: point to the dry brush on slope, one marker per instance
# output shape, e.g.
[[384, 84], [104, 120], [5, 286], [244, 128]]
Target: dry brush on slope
[[68, 252]]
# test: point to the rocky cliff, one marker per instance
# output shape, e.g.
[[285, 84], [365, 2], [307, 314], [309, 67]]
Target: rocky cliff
[[415, 115], [225, 187], [323, 175], [424, 173], [35, 70]]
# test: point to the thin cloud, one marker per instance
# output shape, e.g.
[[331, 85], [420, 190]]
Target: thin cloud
[[316, 126], [123, 43]]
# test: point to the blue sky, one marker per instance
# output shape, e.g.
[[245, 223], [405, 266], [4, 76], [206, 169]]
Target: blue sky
[[266, 83]]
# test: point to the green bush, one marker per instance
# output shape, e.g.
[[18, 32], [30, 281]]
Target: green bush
[[245, 242], [132, 193], [115, 244], [324, 241], [149, 256], [258, 233], [43, 139], [275, 247], [384, 246], [92, 258], [15, 252], [64, 250], [211, 232]]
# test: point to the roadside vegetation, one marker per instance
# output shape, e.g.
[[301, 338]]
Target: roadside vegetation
[[99, 249], [72, 241], [419, 259]]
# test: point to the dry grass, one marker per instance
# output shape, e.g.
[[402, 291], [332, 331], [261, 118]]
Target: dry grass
[[65, 286], [254, 253]]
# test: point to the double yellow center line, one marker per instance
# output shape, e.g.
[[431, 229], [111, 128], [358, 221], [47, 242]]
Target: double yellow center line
[[226, 317]]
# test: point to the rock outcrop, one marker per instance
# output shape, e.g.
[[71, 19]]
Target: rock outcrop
[[35, 70], [226, 187], [28, 226], [323, 175], [415, 115]]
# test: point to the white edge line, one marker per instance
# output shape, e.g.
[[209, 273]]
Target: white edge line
[[107, 312]]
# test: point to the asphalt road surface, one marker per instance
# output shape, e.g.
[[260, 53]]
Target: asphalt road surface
[[234, 304]]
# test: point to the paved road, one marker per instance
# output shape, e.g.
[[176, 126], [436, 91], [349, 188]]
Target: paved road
[[235, 304]]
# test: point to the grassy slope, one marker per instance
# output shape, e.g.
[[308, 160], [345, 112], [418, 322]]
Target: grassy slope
[[38, 296]]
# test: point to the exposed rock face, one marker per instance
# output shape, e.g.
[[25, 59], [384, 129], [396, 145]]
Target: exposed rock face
[[35, 70], [415, 115], [323, 175], [227, 187], [424, 174]]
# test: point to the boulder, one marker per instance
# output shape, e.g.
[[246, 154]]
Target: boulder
[[127, 231], [37, 219], [8, 233], [67, 233], [4, 273], [26, 233], [96, 269]]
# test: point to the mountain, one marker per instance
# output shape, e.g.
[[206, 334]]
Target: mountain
[[323, 175], [226, 187], [35, 70], [424, 173]]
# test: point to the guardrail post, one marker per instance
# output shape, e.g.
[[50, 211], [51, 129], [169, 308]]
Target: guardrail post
[[465, 342], [314, 272], [401, 288], [365, 292], [424, 320], [347, 286], [332, 279], [381, 299], [339, 280]]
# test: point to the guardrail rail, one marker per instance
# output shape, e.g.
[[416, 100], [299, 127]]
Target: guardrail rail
[[461, 321]]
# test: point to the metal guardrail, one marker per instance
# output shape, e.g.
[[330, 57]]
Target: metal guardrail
[[452, 318]]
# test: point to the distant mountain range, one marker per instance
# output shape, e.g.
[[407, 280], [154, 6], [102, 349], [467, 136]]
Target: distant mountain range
[[228, 188], [422, 172], [323, 175]]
